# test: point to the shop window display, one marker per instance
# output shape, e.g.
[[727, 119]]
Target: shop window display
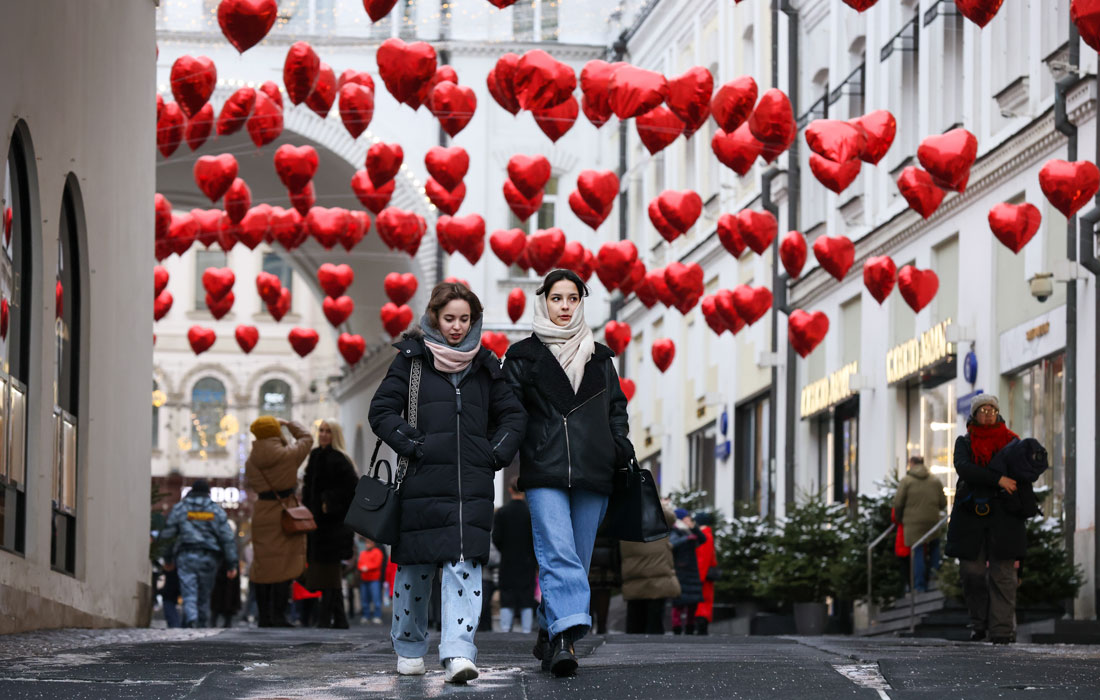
[[933, 429], [1036, 408]]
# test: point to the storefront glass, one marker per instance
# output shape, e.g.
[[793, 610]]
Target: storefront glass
[[1035, 407], [701, 455], [846, 464], [932, 430], [751, 472]]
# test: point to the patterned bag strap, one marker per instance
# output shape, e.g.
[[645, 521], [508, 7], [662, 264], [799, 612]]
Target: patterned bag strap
[[410, 415]]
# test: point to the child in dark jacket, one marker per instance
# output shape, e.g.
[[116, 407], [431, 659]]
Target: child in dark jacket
[[685, 538]]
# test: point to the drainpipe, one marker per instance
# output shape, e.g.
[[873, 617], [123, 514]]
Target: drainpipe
[[772, 208], [619, 49], [443, 140]]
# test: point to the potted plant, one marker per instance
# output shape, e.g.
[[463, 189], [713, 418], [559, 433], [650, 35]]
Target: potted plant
[[741, 544]]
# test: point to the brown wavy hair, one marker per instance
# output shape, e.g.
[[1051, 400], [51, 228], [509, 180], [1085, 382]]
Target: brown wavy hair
[[446, 292]]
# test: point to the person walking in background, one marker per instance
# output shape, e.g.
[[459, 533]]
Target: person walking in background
[[468, 425], [328, 487], [918, 505], [709, 572], [518, 568], [649, 580], [604, 574], [371, 564], [203, 538], [685, 538], [982, 533], [577, 436], [170, 594], [272, 472], [225, 599]]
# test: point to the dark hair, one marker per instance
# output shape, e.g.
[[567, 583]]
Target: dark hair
[[916, 459], [446, 292], [558, 275]]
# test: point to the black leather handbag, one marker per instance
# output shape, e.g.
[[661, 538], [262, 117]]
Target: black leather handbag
[[634, 511], [375, 512]]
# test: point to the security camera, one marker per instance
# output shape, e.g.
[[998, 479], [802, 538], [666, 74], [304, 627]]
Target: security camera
[[1042, 286]]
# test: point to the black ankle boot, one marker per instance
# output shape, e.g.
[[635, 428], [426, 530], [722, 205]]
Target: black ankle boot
[[564, 660], [541, 650]]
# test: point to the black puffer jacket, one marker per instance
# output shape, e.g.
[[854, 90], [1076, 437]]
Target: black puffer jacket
[[328, 487], [574, 440], [976, 491], [462, 436], [684, 543]]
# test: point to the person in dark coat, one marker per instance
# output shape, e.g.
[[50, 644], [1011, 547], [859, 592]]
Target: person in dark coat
[[225, 599], [328, 487], [577, 436], [518, 568], [686, 536], [468, 425], [604, 575], [982, 533]]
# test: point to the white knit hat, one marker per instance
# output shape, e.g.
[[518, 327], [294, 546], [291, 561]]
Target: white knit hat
[[984, 400]]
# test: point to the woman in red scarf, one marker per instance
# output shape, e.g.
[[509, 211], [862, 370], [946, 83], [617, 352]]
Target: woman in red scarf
[[987, 539]]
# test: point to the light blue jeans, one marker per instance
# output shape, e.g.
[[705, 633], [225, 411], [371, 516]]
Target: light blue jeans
[[370, 599], [461, 592], [526, 618], [564, 524]]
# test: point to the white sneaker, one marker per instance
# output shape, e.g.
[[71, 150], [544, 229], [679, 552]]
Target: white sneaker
[[459, 670], [407, 666], [377, 621]]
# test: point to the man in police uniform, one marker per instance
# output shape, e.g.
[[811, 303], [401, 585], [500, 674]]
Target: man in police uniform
[[203, 537]]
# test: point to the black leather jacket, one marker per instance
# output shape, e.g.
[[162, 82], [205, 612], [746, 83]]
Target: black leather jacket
[[573, 440]]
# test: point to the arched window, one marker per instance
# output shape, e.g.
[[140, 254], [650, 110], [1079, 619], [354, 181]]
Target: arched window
[[208, 403], [276, 399], [16, 283]]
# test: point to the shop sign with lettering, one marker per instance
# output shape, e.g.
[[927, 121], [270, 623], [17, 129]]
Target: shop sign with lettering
[[828, 391], [918, 354]]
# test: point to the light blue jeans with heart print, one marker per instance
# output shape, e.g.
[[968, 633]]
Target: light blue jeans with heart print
[[461, 591]]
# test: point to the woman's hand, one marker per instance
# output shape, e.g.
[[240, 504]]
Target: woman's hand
[[1007, 484]]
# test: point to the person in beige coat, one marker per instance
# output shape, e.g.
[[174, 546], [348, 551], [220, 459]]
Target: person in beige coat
[[272, 472], [920, 500], [649, 580]]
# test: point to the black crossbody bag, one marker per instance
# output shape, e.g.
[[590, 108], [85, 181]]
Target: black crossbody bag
[[634, 512]]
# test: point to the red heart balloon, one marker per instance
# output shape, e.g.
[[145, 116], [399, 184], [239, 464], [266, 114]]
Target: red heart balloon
[[617, 336], [220, 307], [405, 68], [980, 12], [453, 105], [806, 331], [247, 337], [162, 304], [335, 279], [288, 227], [598, 188], [508, 245], [733, 103], [466, 233], [521, 206], [1069, 186], [217, 281], [266, 123], [200, 339], [1014, 224], [400, 287], [457, 280], [448, 166], [572, 256], [633, 278], [517, 302], [358, 225], [351, 347], [193, 80], [199, 127], [729, 235], [246, 22], [613, 262], [356, 108], [917, 287], [709, 307], [542, 82], [772, 122], [839, 141], [738, 150], [443, 74], [383, 162], [835, 254], [681, 209], [255, 227], [792, 252], [182, 233], [280, 306], [326, 225], [376, 10], [210, 222], [160, 280], [529, 173], [595, 80], [446, 201], [170, 129], [227, 233], [271, 90], [350, 76], [920, 191], [500, 82], [300, 71], [879, 128], [723, 301], [628, 387], [214, 174], [663, 352], [860, 5], [667, 230], [395, 318], [1086, 15], [664, 294], [645, 291], [268, 286], [402, 229], [496, 342], [658, 128], [835, 176], [322, 96], [879, 276], [632, 91], [295, 165], [689, 98], [544, 248], [303, 201], [751, 304], [337, 310], [686, 283], [556, 121], [303, 340], [757, 228], [235, 111], [948, 157], [586, 213], [373, 198]]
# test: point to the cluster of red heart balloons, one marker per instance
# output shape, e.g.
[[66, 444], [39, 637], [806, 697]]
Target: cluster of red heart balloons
[[412, 76], [447, 167], [917, 287], [674, 213], [594, 197], [525, 186], [946, 160], [396, 314], [839, 148], [539, 83]]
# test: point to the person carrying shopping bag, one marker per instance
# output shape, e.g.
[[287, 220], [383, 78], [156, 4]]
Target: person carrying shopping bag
[[468, 425], [576, 438]]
